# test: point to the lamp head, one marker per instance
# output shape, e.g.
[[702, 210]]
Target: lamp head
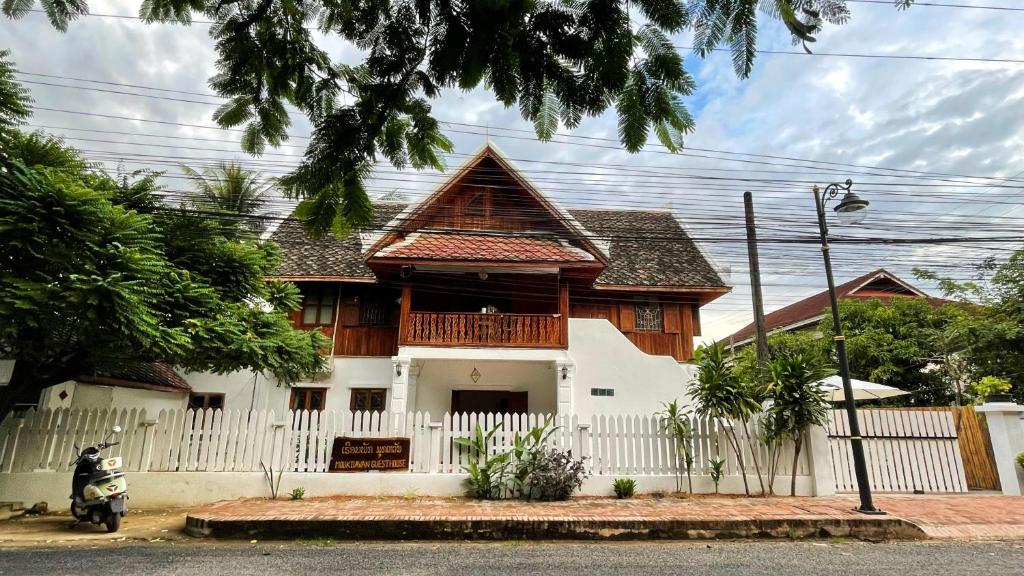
[[852, 209]]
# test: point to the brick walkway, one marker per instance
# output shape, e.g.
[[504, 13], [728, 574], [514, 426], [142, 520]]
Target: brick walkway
[[945, 517]]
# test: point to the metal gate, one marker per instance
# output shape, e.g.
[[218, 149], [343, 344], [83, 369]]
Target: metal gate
[[906, 450]]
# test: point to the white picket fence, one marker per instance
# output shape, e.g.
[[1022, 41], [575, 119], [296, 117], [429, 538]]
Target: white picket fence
[[906, 451], [244, 441]]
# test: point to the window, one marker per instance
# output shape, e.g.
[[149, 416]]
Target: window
[[649, 317], [308, 399], [602, 392], [318, 306], [205, 401], [374, 312], [368, 399]]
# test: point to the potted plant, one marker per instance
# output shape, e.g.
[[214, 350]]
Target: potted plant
[[993, 389]]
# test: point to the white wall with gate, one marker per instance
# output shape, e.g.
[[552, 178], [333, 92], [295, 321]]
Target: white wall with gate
[[906, 451]]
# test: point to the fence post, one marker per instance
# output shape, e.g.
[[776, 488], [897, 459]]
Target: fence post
[[823, 479], [435, 447], [1006, 429], [148, 438]]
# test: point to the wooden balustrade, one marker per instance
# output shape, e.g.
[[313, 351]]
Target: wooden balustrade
[[479, 329]]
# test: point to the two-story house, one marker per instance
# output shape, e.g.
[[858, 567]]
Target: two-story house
[[487, 296]]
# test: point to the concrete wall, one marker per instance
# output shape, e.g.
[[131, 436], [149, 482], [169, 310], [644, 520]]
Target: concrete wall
[[186, 489], [437, 379], [606, 359]]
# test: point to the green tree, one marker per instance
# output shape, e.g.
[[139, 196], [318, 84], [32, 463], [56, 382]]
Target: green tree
[[230, 189], [797, 403], [899, 343], [95, 273], [15, 100], [675, 422], [720, 394], [558, 61], [991, 338], [803, 342]]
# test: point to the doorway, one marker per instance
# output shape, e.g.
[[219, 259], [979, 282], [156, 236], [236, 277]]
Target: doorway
[[489, 402]]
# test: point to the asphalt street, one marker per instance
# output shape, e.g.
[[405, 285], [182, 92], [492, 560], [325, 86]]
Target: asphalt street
[[510, 558]]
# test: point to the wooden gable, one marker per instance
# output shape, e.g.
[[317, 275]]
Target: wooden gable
[[884, 286], [488, 195]]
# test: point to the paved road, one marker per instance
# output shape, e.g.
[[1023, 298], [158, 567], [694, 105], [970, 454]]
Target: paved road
[[512, 558]]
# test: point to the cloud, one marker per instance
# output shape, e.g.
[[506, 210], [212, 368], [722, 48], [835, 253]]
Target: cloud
[[950, 117]]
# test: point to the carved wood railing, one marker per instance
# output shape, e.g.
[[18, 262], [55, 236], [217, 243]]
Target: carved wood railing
[[479, 329]]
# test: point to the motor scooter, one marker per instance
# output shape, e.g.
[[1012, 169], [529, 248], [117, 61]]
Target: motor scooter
[[98, 487]]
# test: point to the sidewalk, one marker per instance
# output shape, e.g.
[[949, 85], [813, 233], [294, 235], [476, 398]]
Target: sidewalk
[[910, 517]]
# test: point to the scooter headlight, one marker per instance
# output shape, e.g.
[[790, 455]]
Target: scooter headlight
[[99, 466]]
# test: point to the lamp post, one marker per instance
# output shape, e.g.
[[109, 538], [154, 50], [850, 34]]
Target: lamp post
[[850, 210]]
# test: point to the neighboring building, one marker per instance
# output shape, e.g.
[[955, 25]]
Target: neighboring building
[[807, 313], [488, 297], [153, 386]]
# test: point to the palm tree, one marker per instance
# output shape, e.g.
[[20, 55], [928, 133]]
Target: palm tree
[[798, 400], [231, 189], [675, 421], [720, 394]]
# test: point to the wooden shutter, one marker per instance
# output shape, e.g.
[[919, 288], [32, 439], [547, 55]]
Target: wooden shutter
[[695, 318], [350, 311], [671, 318], [627, 317]]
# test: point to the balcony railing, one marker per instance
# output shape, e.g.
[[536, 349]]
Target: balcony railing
[[478, 329]]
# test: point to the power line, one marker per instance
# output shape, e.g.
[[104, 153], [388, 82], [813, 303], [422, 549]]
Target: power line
[[941, 5]]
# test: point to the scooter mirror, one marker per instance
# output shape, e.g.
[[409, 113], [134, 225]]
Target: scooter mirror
[[116, 429]]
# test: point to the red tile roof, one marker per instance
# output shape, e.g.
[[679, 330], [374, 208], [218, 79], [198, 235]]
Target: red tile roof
[[814, 306], [483, 247]]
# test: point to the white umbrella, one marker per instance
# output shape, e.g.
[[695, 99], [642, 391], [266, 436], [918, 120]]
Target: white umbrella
[[862, 390]]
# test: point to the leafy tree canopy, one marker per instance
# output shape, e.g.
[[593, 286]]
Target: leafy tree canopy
[[558, 61], [991, 342], [96, 274]]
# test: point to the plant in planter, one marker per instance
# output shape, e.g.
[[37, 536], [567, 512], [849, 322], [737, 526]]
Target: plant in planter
[[624, 487], [298, 493], [487, 473], [992, 389]]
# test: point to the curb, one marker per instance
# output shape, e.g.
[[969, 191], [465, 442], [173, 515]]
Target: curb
[[872, 529]]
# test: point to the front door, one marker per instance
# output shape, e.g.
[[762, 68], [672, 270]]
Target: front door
[[488, 402]]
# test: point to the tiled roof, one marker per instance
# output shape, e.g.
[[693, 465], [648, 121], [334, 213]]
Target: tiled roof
[[646, 248], [328, 256], [150, 375], [811, 307], [437, 245]]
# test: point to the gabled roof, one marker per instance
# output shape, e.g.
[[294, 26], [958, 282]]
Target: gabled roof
[[408, 220], [637, 257], [483, 248], [878, 283]]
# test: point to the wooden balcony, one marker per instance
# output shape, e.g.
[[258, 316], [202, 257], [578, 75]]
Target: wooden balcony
[[475, 329]]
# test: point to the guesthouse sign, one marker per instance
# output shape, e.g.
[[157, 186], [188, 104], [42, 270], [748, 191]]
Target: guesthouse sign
[[365, 454]]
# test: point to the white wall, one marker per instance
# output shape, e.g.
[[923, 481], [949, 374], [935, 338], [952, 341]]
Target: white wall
[[438, 377], [92, 396], [246, 390], [607, 359]]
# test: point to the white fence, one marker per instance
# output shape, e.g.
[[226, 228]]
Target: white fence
[[906, 451], [243, 441]]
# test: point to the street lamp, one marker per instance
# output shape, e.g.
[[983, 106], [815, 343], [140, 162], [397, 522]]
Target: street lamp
[[851, 210]]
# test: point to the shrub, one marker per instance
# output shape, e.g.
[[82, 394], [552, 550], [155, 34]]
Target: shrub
[[298, 493], [624, 487], [717, 471], [990, 385], [555, 475], [1020, 459]]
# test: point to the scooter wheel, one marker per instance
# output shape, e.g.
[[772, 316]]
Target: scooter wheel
[[113, 521]]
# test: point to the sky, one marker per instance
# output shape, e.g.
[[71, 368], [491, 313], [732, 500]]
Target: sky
[[880, 122]]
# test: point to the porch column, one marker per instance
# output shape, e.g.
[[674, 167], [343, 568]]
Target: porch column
[[1006, 429], [400, 378], [565, 376]]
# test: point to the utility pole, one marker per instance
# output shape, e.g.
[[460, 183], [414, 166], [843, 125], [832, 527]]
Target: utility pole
[[761, 335]]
